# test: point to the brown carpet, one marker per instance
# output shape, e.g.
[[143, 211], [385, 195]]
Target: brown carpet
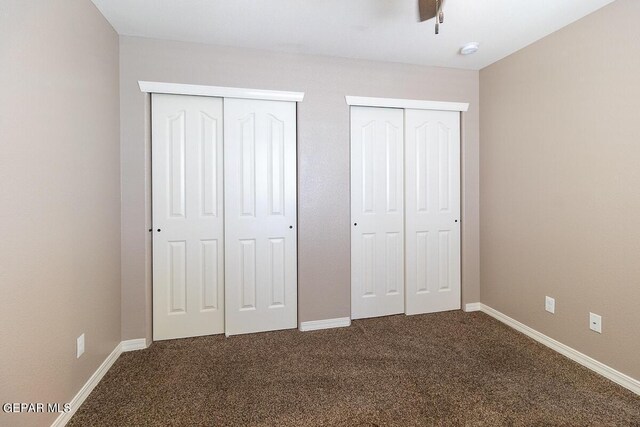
[[450, 368]]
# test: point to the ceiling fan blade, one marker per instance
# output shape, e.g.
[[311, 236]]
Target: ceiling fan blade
[[427, 9]]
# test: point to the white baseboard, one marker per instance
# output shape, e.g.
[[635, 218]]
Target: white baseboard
[[131, 345], [586, 361], [315, 325], [80, 397], [92, 382], [472, 306]]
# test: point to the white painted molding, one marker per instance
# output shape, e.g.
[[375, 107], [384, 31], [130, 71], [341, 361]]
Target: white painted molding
[[219, 91], [132, 345], [586, 361], [472, 306], [415, 104], [92, 382], [86, 389], [315, 325]]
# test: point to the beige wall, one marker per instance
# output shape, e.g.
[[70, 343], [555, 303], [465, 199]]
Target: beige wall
[[560, 184], [323, 156], [60, 198]]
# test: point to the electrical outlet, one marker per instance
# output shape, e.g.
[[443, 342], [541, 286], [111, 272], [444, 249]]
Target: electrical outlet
[[80, 346], [550, 304], [595, 322]]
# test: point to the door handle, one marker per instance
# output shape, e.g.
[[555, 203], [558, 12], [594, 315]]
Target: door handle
[[291, 226], [355, 224]]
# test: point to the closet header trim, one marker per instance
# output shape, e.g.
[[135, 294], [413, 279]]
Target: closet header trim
[[219, 91], [415, 104]]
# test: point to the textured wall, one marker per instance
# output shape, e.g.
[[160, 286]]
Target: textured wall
[[323, 156], [60, 198], [560, 184]]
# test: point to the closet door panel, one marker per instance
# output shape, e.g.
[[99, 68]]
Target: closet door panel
[[187, 176], [377, 198], [260, 215], [432, 211]]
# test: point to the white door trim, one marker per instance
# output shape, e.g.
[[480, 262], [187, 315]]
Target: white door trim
[[415, 104], [219, 91]]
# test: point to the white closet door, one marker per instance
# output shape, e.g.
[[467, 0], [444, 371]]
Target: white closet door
[[432, 211], [377, 214], [260, 215], [188, 275]]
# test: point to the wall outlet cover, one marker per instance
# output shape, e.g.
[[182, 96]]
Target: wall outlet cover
[[550, 304], [595, 322], [80, 346]]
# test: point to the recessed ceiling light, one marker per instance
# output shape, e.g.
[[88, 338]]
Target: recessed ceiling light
[[469, 48]]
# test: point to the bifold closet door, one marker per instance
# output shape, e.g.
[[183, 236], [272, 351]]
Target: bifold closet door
[[432, 165], [377, 214], [260, 215], [188, 273]]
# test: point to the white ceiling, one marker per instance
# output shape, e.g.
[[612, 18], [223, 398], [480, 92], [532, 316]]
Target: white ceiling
[[385, 30]]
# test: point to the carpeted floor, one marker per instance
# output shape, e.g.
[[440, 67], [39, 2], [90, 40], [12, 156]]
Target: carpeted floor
[[450, 368]]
